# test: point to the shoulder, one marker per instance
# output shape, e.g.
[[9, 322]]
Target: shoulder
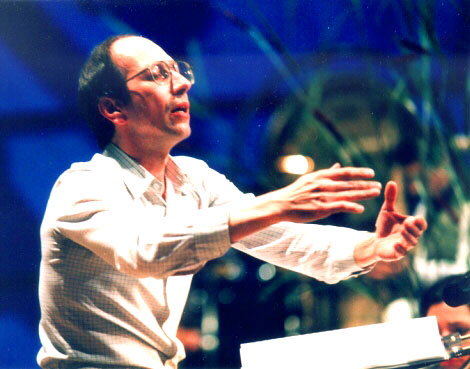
[[214, 185], [197, 170], [98, 167], [98, 162], [188, 164], [92, 177]]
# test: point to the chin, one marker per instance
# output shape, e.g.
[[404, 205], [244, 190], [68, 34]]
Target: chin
[[186, 132], [179, 129], [182, 133]]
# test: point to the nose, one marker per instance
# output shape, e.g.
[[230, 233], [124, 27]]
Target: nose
[[179, 84]]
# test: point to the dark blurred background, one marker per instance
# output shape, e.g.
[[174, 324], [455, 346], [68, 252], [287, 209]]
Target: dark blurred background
[[281, 87]]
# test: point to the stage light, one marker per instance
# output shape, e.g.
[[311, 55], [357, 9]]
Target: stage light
[[266, 272], [292, 325], [210, 322], [295, 164], [461, 142], [209, 342]]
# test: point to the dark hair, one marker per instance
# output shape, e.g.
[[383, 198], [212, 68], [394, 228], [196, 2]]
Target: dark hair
[[101, 77], [434, 294]]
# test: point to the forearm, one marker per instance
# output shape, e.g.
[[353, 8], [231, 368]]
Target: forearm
[[260, 213], [299, 251], [322, 252]]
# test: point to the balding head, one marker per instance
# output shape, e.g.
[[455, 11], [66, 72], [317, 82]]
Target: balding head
[[133, 53]]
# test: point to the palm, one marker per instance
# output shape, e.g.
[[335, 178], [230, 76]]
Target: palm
[[389, 222]]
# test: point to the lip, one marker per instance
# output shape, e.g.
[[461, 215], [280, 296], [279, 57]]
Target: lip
[[180, 108]]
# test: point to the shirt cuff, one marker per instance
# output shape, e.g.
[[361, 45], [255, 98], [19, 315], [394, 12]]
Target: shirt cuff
[[343, 254]]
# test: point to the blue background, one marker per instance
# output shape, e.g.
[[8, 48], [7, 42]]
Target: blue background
[[248, 57]]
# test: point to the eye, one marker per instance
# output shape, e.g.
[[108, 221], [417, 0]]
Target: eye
[[161, 71], [149, 75]]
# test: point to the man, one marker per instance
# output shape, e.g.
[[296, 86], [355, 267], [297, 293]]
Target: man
[[124, 233], [449, 319]]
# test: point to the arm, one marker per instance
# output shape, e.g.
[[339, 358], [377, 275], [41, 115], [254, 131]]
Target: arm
[[95, 210], [268, 228], [395, 234]]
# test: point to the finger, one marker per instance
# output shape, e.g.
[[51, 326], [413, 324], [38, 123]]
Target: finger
[[335, 165], [402, 251], [346, 173], [358, 195], [421, 223], [342, 207], [338, 186], [413, 226], [390, 194], [350, 195], [409, 238]]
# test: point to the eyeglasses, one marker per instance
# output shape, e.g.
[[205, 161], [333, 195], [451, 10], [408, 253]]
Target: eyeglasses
[[162, 71]]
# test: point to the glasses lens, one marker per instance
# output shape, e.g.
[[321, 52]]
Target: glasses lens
[[185, 70], [161, 71]]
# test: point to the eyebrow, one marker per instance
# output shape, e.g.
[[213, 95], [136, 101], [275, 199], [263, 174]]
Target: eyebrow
[[148, 68]]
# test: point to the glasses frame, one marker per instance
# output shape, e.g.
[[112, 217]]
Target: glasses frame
[[171, 66]]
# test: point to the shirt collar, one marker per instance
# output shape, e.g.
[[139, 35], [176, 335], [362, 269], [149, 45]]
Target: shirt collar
[[138, 179]]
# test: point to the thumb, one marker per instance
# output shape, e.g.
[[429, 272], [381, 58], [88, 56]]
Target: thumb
[[390, 195]]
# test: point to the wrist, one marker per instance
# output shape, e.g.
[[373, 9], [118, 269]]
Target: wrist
[[365, 252]]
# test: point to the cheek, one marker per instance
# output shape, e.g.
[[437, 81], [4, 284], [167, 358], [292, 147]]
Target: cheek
[[149, 102], [138, 104], [154, 100]]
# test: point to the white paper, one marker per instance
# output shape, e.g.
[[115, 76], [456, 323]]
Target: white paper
[[374, 346]]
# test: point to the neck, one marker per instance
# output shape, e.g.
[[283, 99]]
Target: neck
[[154, 161], [155, 165]]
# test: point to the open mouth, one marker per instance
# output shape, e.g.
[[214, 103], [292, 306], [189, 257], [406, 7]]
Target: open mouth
[[181, 108]]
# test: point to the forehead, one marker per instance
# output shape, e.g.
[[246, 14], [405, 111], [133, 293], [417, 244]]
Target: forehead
[[134, 53]]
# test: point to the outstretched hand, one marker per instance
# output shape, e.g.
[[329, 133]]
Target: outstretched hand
[[396, 233], [325, 192], [311, 197]]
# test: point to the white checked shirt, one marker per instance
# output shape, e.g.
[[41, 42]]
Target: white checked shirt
[[118, 259]]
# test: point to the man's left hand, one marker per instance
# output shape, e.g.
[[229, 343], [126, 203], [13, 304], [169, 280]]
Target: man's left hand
[[395, 234]]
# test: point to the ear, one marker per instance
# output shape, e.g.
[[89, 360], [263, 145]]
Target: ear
[[111, 110]]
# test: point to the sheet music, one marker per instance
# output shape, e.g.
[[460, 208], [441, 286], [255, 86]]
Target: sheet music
[[384, 345]]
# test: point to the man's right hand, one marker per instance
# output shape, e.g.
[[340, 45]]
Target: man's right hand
[[320, 194], [311, 197]]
